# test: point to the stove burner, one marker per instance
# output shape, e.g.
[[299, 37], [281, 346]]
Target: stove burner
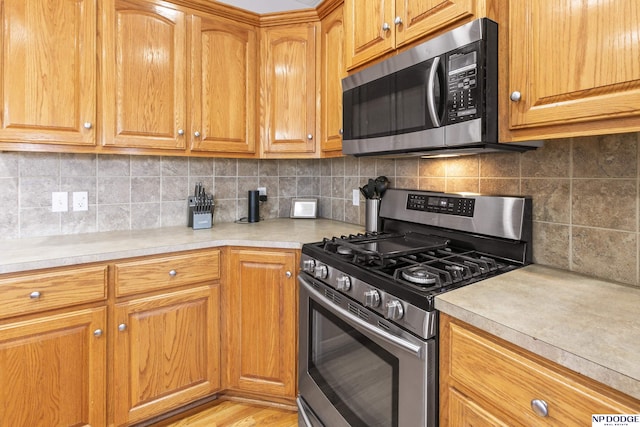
[[343, 250], [419, 275]]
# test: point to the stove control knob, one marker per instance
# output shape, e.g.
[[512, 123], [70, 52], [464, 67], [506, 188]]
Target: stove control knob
[[394, 310], [308, 265], [371, 298], [344, 283], [320, 272]]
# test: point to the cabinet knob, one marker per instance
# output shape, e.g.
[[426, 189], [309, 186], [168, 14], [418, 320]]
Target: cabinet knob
[[97, 333], [173, 273], [341, 131], [386, 27], [397, 21], [309, 136], [288, 274], [196, 134], [35, 295], [88, 125], [122, 327], [539, 407], [180, 132], [515, 96]]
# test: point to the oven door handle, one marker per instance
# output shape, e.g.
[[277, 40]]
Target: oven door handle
[[415, 350]]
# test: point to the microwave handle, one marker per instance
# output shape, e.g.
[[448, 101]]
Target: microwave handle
[[431, 98]]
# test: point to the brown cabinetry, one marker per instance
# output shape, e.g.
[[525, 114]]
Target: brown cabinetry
[[486, 381], [144, 75], [332, 72], [224, 57], [166, 347], [53, 356], [573, 68], [260, 323], [375, 28], [48, 72], [288, 90]]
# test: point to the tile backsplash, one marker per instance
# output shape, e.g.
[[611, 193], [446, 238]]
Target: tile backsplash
[[585, 193]]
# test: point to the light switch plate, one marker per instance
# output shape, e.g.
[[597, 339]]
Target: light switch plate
[[59, 201]]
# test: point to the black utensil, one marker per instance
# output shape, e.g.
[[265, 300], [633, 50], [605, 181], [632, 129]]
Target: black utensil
[[371, 189], [382, 183]]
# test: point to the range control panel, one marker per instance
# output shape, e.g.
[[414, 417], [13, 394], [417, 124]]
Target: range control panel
[[460, 206]]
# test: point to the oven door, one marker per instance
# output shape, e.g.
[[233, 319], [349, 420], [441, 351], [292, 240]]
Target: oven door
[[357, 369]]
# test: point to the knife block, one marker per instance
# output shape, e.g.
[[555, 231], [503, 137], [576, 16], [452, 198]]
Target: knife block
[[198, 220]]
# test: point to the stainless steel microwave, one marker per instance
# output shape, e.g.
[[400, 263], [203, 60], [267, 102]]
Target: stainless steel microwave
[[438, 97]]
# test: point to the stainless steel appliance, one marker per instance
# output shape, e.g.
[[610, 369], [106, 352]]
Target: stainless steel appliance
[[438, 97], [368, 327]]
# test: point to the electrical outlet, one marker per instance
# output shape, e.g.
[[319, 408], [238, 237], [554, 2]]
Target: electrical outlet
[[356, 197], [80, 201], [262, 191], [59, 201]]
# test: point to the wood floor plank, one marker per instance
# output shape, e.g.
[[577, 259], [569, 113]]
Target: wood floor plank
[[237, 414]]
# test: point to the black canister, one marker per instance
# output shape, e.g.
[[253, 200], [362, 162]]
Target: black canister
[[253, 214]]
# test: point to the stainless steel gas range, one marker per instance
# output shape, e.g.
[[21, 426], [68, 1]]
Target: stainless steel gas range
[[368, 328]]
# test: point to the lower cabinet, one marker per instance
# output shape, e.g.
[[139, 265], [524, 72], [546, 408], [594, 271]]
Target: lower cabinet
[[485, 381], [52, 370], [166, 333], [261, 316], [166, 352]]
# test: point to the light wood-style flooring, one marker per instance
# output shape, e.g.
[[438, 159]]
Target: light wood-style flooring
[[227, 413]]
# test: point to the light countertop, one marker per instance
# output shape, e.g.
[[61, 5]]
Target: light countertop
[[46, 252], [588, 325]]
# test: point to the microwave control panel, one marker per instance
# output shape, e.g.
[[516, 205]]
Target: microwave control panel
[[464, 92], [461, 206]]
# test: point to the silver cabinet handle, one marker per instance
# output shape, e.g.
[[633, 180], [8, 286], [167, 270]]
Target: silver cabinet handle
[[397, 21], [173, 273], [35, 295], [122, 327], [341, 131], [309, 136], [515, 96], [88, 125], [288, 274], [386, 27], [540, 407], [196, 134], [97, 333], [180, 132]]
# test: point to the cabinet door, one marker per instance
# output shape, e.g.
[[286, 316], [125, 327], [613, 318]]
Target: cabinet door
[[166, 352], [144, 69], [52, 370], [261, 318], [223, 86], [420, 18], [574, 63], [48, 71], [365, 35], [333, 71], [288, 89]]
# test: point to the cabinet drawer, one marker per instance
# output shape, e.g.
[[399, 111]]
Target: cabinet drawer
[[508, 380], [144, 275], [56, 289]]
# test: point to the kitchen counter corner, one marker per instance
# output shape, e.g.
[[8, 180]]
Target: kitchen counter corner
[[55, 251], [585, 324]]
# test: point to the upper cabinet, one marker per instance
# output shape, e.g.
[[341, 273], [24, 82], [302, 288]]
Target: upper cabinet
[[573, 68], [332, 72], [373, 28], [144, 70], [223, 85], [48, 72], [289, 90]]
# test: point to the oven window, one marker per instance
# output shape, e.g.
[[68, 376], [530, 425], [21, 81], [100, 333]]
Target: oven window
[[359, 377]]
